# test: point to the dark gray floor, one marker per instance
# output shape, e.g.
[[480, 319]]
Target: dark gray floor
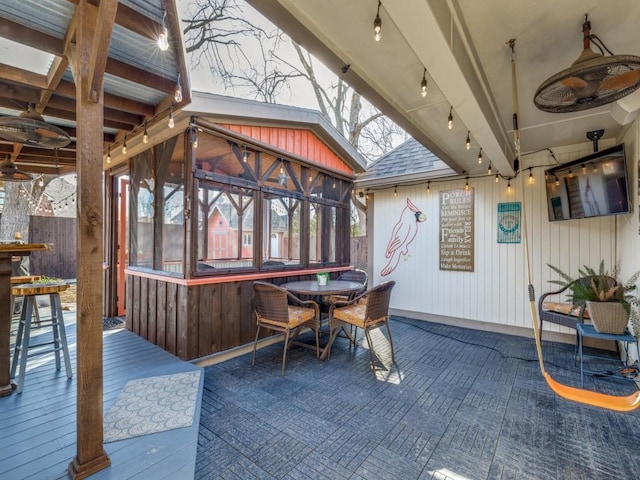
[[459, 404]]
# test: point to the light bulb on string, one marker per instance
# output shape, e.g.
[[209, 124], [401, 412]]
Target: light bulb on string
[[489, 169], [467, 142], [109, 155], [497, 178], [41, 181], [194, 137], [377, 24], [584, 169], [163, 37], [245, 155], [171, 123], [508, 185], [531, 179], [395, 191], [145, 136], [429, 186], [450, 119], [466, 186], [177, 94], [423, 84], [124, 146], [480, 156]]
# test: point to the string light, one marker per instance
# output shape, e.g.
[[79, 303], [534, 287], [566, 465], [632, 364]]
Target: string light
[[557, 181], [194, 137], [468, 140], [489, 169], [546, 176], [429, 186], [531, 179], [395, 191], [480, 156], [177, 94], [508, 185], [41, 182], [334, 183], [423, 84], [109, 155], [497, 178], [145, 137], [124, 146], [466, 186], [163, 38], [450, 119], [171, 123], [366, 196], [584, 169], [245, 155], [377, 25]]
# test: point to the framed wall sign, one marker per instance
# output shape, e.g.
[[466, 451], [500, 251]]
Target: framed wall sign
[[457, 230], [509, 222]]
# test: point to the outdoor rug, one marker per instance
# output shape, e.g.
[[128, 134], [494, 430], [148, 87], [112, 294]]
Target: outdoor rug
[[151, 405]]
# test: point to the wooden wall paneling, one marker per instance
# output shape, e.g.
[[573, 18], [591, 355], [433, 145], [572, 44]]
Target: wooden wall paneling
[[182, 320], [205, 315], [152, 303], [144, 307], [215, 319], [247, 324], [193, 323], [135, 327], [170, 329], [230, 315], [130, 280], [161, 314]]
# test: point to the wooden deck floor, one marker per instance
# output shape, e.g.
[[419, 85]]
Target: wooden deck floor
[[38, 426]]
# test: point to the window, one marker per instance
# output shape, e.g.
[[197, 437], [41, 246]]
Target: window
[[248, 209], [282, 229]]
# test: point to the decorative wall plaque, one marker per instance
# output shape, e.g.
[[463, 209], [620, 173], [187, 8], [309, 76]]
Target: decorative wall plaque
[[457, 230]]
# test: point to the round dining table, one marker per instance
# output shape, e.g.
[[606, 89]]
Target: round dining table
[[333, 287]]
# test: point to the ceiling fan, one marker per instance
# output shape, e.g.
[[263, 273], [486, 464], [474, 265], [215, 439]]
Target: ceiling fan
[[30, 129], [9, 172], [591, 81]]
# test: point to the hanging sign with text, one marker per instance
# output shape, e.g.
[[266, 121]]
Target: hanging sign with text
[[457, 230]]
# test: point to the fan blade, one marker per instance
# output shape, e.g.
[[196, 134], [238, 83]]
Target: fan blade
[[620, 82], [574, 83]]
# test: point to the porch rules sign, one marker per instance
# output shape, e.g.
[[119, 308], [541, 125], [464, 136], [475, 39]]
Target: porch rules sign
[[457, 230]]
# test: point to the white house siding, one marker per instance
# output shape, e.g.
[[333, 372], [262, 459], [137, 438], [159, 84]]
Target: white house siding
[[496, 292]]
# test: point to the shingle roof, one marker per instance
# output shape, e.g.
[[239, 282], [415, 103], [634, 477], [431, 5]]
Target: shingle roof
[[408, 163]]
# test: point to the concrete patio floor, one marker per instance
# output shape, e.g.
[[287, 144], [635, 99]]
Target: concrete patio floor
[[458, 404]]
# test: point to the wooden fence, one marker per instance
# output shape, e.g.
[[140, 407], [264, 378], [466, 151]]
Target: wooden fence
[[61, 261]]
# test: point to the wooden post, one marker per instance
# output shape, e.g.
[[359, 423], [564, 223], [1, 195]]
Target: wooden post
[[87, 61]]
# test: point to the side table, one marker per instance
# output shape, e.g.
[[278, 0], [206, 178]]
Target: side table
[[587, 330]]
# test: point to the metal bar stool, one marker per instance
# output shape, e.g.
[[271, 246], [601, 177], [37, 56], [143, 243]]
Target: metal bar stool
[[29, 292]]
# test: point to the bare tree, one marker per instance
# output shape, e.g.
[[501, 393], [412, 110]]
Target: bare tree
[[260, 61]]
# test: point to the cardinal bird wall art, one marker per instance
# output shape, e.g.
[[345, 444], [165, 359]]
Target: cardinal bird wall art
[[404, 231]]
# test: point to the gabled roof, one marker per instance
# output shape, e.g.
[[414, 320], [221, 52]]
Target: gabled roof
[[408, 163], [223, 109]]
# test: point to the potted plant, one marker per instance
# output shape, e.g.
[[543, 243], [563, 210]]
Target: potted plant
[[610, 302]]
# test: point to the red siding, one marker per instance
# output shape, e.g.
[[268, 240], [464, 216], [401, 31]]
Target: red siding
[[302, 143]]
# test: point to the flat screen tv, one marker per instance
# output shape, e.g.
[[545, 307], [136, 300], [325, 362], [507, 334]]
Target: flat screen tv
[[592, 186]]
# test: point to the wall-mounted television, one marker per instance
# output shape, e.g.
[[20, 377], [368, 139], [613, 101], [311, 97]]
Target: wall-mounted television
[[592, 186]]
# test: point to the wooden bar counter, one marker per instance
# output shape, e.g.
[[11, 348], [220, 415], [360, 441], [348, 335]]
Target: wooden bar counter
[[8, 250]]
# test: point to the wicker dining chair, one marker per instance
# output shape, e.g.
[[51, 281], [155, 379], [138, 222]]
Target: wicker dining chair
[[367, 311], [279, 310]]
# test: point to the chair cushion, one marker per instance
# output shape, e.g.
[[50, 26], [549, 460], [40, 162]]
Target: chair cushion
[[566, 308], [297, 316], [355, 315]]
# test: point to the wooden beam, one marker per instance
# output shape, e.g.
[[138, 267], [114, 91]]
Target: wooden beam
[[67, 89], [18, 75], [138, 75], [90, 456], [30, 37], [101, 41]]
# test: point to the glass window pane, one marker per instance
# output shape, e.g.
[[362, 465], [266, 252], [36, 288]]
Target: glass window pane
[[281, 242], [322, 233], [225, 227]]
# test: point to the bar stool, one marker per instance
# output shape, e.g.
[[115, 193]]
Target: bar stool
[[29, 292]]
